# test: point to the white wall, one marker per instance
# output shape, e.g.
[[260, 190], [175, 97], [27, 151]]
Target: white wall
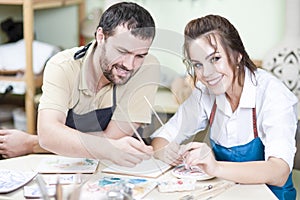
[[260, 23]]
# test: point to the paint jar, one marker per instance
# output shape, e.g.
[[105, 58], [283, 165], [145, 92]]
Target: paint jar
[[122, 191]]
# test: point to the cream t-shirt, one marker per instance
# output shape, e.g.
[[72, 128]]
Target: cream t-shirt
[[64, 87]]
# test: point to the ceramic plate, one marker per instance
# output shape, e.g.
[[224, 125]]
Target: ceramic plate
[[11, 180], [194, 172]]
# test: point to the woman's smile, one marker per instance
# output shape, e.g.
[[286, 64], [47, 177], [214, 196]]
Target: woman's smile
[[214, 81]]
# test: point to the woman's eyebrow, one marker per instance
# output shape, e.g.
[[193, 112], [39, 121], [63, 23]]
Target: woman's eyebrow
[[209, 55]]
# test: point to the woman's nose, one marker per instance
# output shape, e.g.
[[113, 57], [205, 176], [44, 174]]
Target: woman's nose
[[208, 69]]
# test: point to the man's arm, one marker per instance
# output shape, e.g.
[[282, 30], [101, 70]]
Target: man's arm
[[15, 143], [56, 137]]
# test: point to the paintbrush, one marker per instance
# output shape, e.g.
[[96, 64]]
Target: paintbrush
[[42, 187], [139, 137], [58, 192], [153, 110], [155, 113], [208, 192], [162, 124]]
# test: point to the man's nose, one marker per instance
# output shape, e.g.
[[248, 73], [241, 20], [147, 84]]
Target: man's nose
[[128, 62]]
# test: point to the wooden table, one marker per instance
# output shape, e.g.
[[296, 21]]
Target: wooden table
[[30, 162]]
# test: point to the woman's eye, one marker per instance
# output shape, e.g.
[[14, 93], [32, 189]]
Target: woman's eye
[[215, 59], [197, 65]]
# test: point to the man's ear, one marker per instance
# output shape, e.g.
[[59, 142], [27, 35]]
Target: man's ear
[[100, 35]]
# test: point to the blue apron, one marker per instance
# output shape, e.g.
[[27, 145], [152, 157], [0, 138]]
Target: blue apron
[[252, 151]]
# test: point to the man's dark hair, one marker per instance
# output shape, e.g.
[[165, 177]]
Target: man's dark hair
[[134, 17]]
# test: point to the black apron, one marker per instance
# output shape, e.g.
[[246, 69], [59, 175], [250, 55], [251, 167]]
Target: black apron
[[93, 121]]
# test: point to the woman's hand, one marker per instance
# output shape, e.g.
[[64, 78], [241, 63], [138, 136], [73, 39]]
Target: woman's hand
[[200, 154], [170, 154]]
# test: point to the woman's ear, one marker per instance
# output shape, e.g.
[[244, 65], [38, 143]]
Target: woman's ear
[[240, 58], [100, 35]]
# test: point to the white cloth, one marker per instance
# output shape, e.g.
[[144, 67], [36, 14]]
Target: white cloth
[[12, 55], [276, 113]]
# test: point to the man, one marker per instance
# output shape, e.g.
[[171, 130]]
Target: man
[[94, 96]]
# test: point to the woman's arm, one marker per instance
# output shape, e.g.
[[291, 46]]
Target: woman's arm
[[273, 171]]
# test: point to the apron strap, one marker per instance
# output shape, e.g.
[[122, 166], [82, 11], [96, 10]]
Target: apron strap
[[213, 112], [114, 98], [81, 52], [254, 122]]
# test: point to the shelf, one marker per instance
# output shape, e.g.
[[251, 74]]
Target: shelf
[[32, 81], [42, 4]]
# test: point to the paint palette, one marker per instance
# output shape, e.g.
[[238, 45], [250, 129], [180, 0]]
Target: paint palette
[[98, 188], [193, 172], [176, 185]]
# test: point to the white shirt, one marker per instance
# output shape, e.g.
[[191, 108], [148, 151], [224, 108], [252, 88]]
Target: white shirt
[[276, 114]]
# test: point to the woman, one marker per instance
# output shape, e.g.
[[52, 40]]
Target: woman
[[252, 116]]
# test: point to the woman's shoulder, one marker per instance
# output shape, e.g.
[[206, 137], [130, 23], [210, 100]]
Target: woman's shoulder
[[268, 85], [265, 78]]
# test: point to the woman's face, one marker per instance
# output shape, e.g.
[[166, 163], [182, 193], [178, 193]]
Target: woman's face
[[211, 65]]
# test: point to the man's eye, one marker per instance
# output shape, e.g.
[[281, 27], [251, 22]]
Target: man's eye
[[122, 52], [140, 56]]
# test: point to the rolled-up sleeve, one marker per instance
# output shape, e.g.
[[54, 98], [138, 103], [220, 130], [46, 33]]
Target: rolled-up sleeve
[[190, 118], [279, 123]]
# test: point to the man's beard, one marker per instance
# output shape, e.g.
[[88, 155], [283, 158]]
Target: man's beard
[[119, 80], [107, 70]]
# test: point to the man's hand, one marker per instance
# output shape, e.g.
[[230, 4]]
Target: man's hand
[[15, 143], [129, 151]]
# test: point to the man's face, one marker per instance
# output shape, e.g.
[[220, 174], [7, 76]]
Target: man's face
[[120, 55]]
